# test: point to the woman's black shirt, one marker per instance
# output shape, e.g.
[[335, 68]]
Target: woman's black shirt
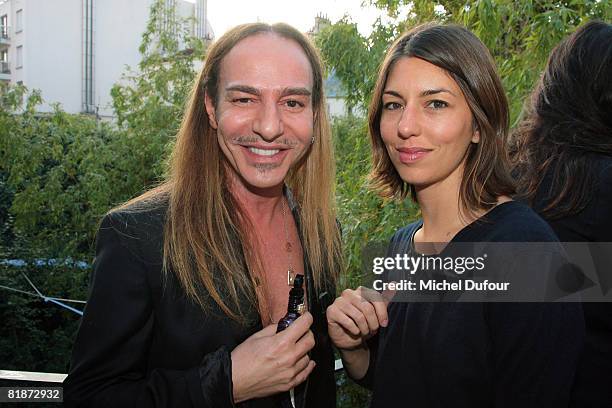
[[478, 354]]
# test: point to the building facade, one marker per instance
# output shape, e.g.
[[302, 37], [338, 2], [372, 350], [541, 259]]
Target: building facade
[[74, 51]]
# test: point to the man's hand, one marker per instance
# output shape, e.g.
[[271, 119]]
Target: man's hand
[[268, 362]]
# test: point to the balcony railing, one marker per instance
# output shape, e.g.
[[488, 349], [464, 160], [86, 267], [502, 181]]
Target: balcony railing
[[4, 67]]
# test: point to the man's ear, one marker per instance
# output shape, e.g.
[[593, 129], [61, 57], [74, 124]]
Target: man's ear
[[210, 111]]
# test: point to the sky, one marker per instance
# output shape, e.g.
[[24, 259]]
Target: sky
[[224, 14]]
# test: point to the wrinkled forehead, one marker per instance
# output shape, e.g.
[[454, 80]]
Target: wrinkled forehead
[[266, 61]]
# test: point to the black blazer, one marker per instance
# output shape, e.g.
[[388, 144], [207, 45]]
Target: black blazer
[[143, 343]]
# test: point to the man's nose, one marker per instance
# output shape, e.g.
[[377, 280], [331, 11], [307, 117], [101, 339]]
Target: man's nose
[[409, 123], [269, 123]]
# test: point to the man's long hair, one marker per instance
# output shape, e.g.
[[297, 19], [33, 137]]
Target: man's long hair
[[207, 243]]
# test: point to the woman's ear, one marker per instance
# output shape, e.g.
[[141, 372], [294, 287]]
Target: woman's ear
[[476, 136], [210, 111], [475, 132]]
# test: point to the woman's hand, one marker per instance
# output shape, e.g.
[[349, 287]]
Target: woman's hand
[[268, 362], [356, 316], [353, 318]]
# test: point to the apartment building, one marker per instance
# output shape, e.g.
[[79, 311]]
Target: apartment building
[[74, 51]]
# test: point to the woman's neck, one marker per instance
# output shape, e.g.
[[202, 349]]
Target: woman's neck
[[442, 212]]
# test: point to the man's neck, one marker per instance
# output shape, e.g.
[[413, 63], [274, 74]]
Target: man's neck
[[261, 205]]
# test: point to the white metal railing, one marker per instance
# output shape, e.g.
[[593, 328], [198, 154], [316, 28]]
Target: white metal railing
[[4, 67], [58, 378], [32, 376]]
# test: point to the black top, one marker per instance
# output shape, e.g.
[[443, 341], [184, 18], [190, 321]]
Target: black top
[[478, 354], [143, 343], [593, 224]]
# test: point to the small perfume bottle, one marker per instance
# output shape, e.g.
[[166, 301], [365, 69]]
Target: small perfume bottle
[[296, 303]]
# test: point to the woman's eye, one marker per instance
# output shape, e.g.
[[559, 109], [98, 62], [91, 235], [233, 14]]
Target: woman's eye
[[392, 106], [438, 104]]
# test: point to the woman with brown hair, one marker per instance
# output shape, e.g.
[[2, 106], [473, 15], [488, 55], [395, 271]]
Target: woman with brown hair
[[191, 278], [563, 161], [438, 125]]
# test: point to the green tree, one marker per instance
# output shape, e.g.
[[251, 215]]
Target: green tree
[[519, 34], [54, 166], [149, 101], [50, 182], [59, 173]]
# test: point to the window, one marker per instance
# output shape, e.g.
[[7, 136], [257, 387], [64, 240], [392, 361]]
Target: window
[[4, 66], [19, 58], [4, 26], [19, 20]]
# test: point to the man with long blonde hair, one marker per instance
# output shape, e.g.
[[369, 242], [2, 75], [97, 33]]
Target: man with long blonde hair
[[191, 278]]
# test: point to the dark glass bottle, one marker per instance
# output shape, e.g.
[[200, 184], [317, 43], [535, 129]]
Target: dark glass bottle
[[296, 302]]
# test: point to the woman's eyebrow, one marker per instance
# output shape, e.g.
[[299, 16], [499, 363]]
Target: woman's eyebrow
[[429, 92], [392, 93]]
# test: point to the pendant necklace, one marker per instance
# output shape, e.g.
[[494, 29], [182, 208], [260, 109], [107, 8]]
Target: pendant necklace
[[288, 248]]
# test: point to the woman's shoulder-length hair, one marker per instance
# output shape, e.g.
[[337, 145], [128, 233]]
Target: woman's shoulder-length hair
[[467, 60]]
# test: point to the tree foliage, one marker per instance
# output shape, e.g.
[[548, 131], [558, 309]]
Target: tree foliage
[[59, 174], [149, 101], [364, 216], [519, 34]]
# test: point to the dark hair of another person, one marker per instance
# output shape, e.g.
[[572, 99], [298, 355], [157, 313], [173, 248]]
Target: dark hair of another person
[[568, 120], [466, 59]]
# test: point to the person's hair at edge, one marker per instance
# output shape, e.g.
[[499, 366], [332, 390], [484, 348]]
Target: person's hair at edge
[[206, 238], [466, 59], [566, 121]]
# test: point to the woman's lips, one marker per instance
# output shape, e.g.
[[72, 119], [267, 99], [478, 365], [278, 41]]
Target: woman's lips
[[412, 154]]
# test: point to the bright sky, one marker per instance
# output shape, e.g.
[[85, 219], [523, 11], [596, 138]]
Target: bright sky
[[224, 14]]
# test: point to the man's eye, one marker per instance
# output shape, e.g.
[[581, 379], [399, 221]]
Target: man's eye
[[436, 104], [392, 106], [242, 100], [292, 103]]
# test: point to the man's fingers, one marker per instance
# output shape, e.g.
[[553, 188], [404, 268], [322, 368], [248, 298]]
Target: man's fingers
[[305, 344], [265, 332], [301, 364], [298, 328], [303, 375]]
